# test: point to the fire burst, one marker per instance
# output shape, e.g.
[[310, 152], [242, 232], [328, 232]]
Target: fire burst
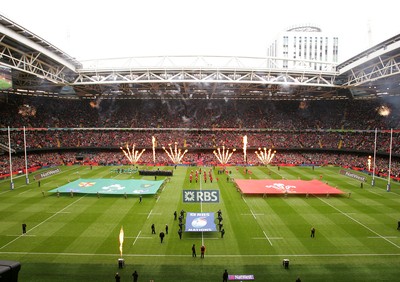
[[245, 148], [369, 163], [121, 240], [224, 156], [175, 154], [265, 156], [153, 141], [132, 155]]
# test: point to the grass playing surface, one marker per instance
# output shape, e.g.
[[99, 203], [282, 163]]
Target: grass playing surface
[[76, 238]]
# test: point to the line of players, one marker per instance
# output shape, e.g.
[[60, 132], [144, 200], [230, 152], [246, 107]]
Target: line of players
[[197, 173]]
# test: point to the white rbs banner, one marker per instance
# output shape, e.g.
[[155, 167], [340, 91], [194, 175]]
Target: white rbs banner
[[204, 196]]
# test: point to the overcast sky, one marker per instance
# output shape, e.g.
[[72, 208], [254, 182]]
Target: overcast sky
[[87, 29]]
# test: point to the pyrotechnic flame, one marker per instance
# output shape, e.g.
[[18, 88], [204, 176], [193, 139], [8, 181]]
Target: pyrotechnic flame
[[265, 156], [132, 155], [121, 240], [224, 156], [369, 163], [175, 154], [153, 141], [383, 110], [245, 148]]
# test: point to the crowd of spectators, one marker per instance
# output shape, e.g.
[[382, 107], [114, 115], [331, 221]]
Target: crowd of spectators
[[352, 161], [41, 112], [201, 139], [306, 132]]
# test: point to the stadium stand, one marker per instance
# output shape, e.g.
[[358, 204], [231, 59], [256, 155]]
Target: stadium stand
[[319, 133]]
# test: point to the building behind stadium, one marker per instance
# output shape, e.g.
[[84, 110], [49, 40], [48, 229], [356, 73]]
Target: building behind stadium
[[306, 47]]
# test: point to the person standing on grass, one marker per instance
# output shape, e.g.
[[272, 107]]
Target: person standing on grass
[[312, 232], [117, 277], [202, 251], [135, 276], [194, 251], [225, 276], [23, 228], [162, 235], [153, 229], [140, 198], [222, 233], [180, 233], [166, 229]]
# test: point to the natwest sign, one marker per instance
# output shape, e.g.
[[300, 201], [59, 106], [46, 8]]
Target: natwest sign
[[241, 277]]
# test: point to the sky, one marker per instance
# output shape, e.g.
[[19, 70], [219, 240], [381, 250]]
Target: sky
[[87, 29]]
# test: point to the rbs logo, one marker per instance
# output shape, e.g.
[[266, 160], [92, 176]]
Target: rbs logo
[[205, 196]]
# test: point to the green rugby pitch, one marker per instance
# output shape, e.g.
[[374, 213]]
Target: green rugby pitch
[[76, 238]]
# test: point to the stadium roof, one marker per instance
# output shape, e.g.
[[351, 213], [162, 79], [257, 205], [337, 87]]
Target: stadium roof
[[41, 69]]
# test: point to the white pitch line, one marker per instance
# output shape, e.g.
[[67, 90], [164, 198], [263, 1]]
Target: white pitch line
[[252, 214], [271, 238], [363, 225], [137, 237], [9, 190], [6, 191], [12, 241], [215, 256], [154, 213], [376, 237], [378, 194], [267, 238], [149, 214], [19, 187], [24, 192], [24, 235], [191, 238]]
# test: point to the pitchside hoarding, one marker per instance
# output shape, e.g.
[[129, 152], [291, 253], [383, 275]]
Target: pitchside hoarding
[[47, 173], [241, 277], [353, 175]]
